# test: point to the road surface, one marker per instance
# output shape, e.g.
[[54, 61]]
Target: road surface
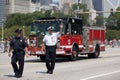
[[106, 67]]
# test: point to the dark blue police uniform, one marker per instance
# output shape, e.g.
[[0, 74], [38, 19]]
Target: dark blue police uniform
[[18, 44]]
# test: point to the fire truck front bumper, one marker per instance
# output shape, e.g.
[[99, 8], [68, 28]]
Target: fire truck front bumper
[[36, 53]]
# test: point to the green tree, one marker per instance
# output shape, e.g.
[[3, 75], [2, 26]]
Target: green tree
[[112, 34], [100, 21], [113, 21], [21, 19], [82, 7], [59, 15], [48, 13]]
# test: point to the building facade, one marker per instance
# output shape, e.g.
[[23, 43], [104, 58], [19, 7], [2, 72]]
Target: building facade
[[65, 5], [46, 2], [110, 4], [98, 6], [19, 6], [2, 11], [22, 6]]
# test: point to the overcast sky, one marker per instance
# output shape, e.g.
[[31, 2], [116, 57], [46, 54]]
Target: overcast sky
[[55, 0]]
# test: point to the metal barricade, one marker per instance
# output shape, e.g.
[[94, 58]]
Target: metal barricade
[[2, 47]]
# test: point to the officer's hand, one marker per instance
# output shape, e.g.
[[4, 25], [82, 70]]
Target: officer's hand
[[61, 26], [27, 55]]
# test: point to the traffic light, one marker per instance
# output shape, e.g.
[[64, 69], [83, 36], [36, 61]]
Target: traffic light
[[111, 12]]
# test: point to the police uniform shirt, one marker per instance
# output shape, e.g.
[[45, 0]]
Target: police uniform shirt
[[18, 44], [51, 39]]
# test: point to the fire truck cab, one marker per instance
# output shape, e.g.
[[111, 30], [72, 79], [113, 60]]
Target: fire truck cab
[[75, 39]]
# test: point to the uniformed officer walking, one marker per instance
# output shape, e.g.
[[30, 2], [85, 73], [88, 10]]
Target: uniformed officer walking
[[19, 46], [50, 41]]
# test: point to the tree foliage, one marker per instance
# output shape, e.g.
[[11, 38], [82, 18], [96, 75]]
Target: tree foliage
[[113, 21], [112, 34], [10, 31], [100, 21], [83, 8], [20, 19]]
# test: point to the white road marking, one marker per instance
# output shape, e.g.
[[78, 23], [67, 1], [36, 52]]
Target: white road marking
[[100, 75]]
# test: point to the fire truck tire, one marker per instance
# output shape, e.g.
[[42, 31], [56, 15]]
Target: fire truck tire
[[96, 53], [42, 58], [74, 56]]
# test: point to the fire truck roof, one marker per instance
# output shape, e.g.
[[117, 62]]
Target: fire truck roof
[[58, 19]]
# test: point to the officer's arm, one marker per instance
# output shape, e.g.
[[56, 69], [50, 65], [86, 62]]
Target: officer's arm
[[10, 48], [26, 51], [9, 51], [61, 26]]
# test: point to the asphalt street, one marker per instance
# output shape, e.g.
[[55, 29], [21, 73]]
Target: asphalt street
[[106, 67]]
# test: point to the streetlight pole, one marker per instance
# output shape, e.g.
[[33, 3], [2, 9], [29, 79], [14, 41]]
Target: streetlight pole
[[23, 31], [2, 30], [78, 8], [90, 14]]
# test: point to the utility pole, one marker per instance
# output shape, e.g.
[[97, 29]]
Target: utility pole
[[23, 31], [90, 14], [78, 9], [2, 29]]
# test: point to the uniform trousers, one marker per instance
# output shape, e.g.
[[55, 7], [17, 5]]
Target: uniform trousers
[[18, 57], [50, 57]]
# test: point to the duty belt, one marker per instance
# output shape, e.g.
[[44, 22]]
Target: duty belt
[[17, 50], [51, 46]]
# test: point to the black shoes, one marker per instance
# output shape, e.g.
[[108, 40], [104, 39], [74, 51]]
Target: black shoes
[[18, 75], [15, 75], [50, 71]]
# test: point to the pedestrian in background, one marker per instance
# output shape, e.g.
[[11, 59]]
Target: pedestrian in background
[[19, 46], [50, 41]]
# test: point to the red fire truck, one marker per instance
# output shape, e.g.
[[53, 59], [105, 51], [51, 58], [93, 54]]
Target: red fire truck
[[75, 40]]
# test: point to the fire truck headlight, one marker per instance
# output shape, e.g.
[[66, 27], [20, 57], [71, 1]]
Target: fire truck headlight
[[33, 43], [29, 52], [69, 41], [58, 44]]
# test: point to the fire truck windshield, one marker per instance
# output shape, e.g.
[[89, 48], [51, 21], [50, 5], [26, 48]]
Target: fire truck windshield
[[41, 27]]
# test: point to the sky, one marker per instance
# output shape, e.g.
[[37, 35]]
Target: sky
[[55, 0]]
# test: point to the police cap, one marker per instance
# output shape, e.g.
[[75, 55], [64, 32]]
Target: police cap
[[50, 28], [18, 31]]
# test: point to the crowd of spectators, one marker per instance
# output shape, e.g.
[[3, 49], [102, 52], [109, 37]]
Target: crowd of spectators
[[112, 43], [4, 45]]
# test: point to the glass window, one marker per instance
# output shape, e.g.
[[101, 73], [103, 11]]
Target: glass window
[[41, 27], [76, 28], [7, 2]]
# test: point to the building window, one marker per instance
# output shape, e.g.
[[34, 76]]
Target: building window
[[7, 2]]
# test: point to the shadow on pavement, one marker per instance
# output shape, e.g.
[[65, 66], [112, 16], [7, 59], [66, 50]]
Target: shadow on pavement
[[41, 72], [9, 75], [33, 60], [58, 60]]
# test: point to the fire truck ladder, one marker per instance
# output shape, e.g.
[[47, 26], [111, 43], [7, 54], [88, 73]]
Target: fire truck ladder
[[86, 39]]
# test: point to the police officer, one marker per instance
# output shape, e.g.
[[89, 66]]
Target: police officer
[[50, 41], [19, 46]]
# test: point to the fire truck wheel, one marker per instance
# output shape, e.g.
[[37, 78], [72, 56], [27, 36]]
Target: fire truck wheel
[[42, 58], [96, 53], [75, 51]]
